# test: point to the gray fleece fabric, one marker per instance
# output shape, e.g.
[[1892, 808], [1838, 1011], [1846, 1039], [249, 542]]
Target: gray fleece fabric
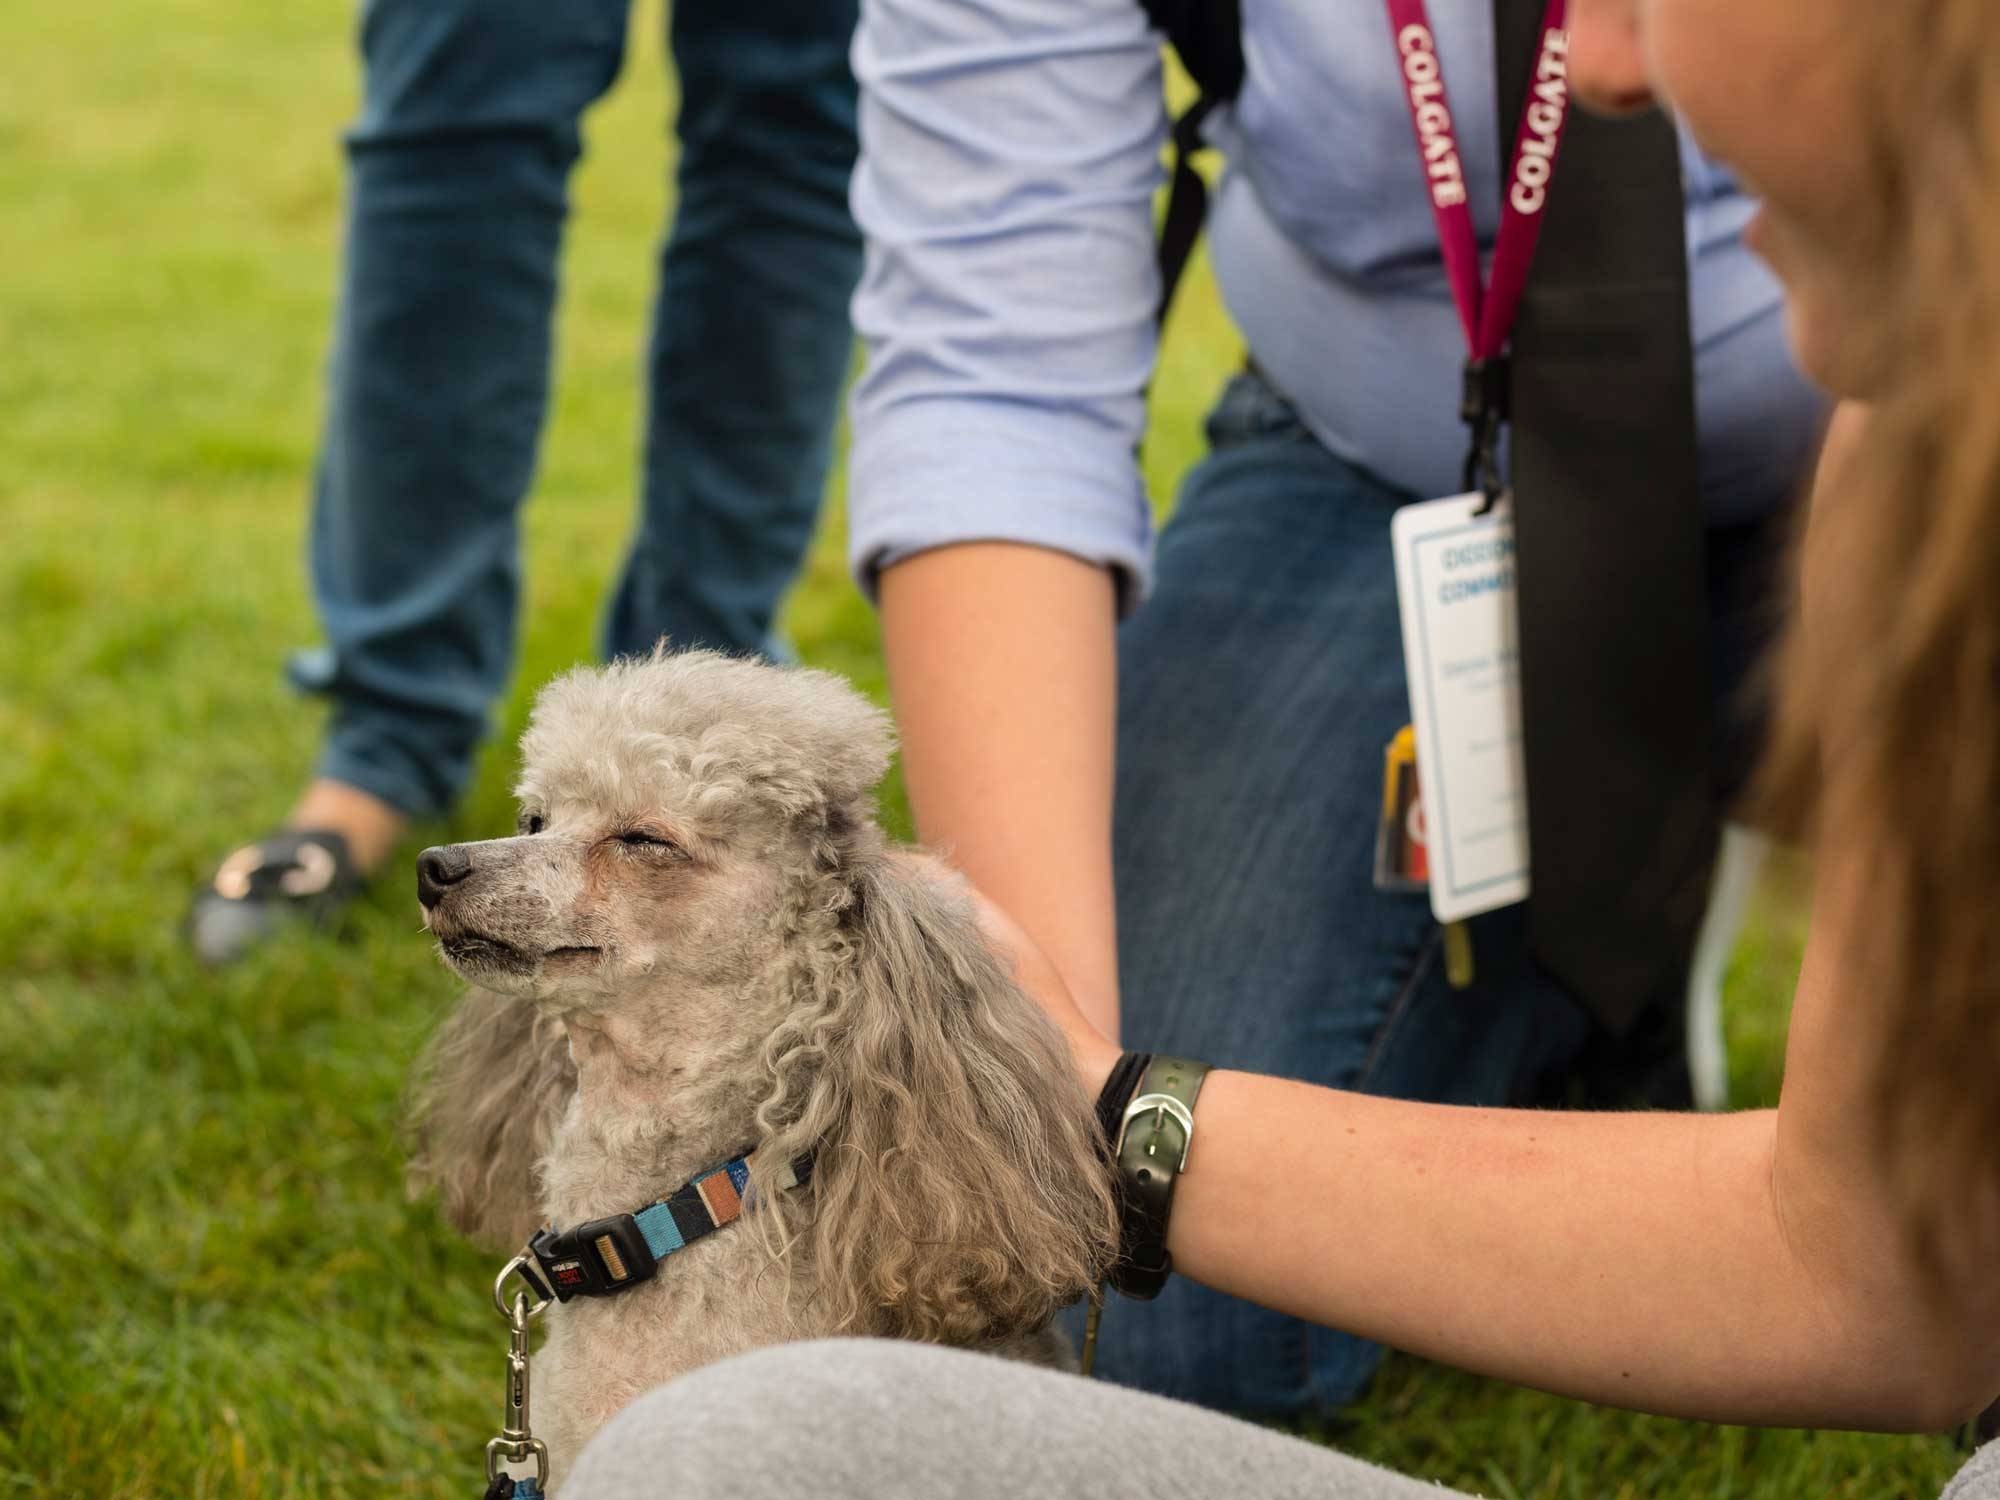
[[866, 1419], [1978, 1480]]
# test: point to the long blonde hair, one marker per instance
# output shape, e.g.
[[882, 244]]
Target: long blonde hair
[[1887, 733]]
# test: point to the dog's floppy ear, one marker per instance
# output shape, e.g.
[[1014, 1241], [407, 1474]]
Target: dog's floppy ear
[[958, 1191], [489, 1091]]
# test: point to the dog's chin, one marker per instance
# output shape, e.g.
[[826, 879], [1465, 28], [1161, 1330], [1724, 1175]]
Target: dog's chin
[[477, 956], [495, 964]]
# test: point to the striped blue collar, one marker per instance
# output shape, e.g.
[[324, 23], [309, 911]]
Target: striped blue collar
[[604, 1256]]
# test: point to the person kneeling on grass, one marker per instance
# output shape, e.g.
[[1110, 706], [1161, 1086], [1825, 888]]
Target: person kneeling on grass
[[1827, 1263]]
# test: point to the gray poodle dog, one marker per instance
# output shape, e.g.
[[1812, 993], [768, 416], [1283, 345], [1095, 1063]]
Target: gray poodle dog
[[699, 940]]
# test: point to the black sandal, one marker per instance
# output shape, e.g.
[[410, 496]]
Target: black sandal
[[293, 875]]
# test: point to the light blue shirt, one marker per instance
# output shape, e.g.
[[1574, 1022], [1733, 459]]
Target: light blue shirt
[[1010, 153]]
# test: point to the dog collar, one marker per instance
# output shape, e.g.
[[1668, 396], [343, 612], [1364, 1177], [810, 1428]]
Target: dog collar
[[605, 1256]]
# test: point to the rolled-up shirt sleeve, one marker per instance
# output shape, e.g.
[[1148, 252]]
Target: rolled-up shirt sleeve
[[1010, 150]]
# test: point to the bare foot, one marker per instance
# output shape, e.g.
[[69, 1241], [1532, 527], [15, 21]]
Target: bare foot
[[370, 825]]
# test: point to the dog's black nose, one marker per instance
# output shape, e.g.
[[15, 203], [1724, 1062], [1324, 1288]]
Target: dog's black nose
[[438, 868]]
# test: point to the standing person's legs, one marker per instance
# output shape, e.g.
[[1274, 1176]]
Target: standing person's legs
[[751, 341], [1258, 689], [438, 383], [457, 198], [864, 1419]]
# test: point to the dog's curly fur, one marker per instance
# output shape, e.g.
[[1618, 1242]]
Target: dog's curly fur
[[700, 941]]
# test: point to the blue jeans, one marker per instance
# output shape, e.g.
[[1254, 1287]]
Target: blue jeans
[[1258, 688], [440, 369]]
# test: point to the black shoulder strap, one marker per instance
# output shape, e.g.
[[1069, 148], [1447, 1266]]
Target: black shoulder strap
[[1208, 37]]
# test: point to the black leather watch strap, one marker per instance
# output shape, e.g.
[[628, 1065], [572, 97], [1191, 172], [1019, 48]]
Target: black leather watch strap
[[1117, 1093], [1151, 1151]]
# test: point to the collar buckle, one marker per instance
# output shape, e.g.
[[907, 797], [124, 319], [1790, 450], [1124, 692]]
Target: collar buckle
[[595, 1258]]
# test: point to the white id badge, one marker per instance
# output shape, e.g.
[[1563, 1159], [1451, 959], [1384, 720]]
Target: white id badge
[[1455, 582]]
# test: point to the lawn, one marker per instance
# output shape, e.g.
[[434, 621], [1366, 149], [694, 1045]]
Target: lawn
[[213, 1284]]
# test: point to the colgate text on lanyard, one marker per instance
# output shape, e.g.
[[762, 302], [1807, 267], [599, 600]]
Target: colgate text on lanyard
[[1487, 313]]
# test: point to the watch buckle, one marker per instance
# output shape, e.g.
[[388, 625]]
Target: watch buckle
[[1162, 1107]]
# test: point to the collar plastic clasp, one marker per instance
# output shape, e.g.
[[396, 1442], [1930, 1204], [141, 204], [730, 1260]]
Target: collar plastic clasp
[[594, 1259]]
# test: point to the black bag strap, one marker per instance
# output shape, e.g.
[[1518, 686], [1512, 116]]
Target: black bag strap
[[1207, 35]]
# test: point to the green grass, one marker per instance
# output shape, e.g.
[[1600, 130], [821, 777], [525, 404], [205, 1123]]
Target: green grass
[[212, 1284]]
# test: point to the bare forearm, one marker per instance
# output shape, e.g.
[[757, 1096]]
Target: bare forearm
[[1001, 661], [1633, 1259]]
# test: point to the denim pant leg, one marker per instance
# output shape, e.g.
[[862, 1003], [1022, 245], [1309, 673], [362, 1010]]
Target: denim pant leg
[[751, 341], [1258, 688], [439, 379]]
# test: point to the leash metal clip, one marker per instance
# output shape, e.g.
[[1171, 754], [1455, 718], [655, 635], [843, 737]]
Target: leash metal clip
[[516, 1443]]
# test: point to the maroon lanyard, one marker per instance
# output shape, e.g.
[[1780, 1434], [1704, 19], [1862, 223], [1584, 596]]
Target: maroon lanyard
[[1485, 312]]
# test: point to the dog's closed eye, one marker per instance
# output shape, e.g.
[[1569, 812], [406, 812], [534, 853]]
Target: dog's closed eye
[[646, 840]]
